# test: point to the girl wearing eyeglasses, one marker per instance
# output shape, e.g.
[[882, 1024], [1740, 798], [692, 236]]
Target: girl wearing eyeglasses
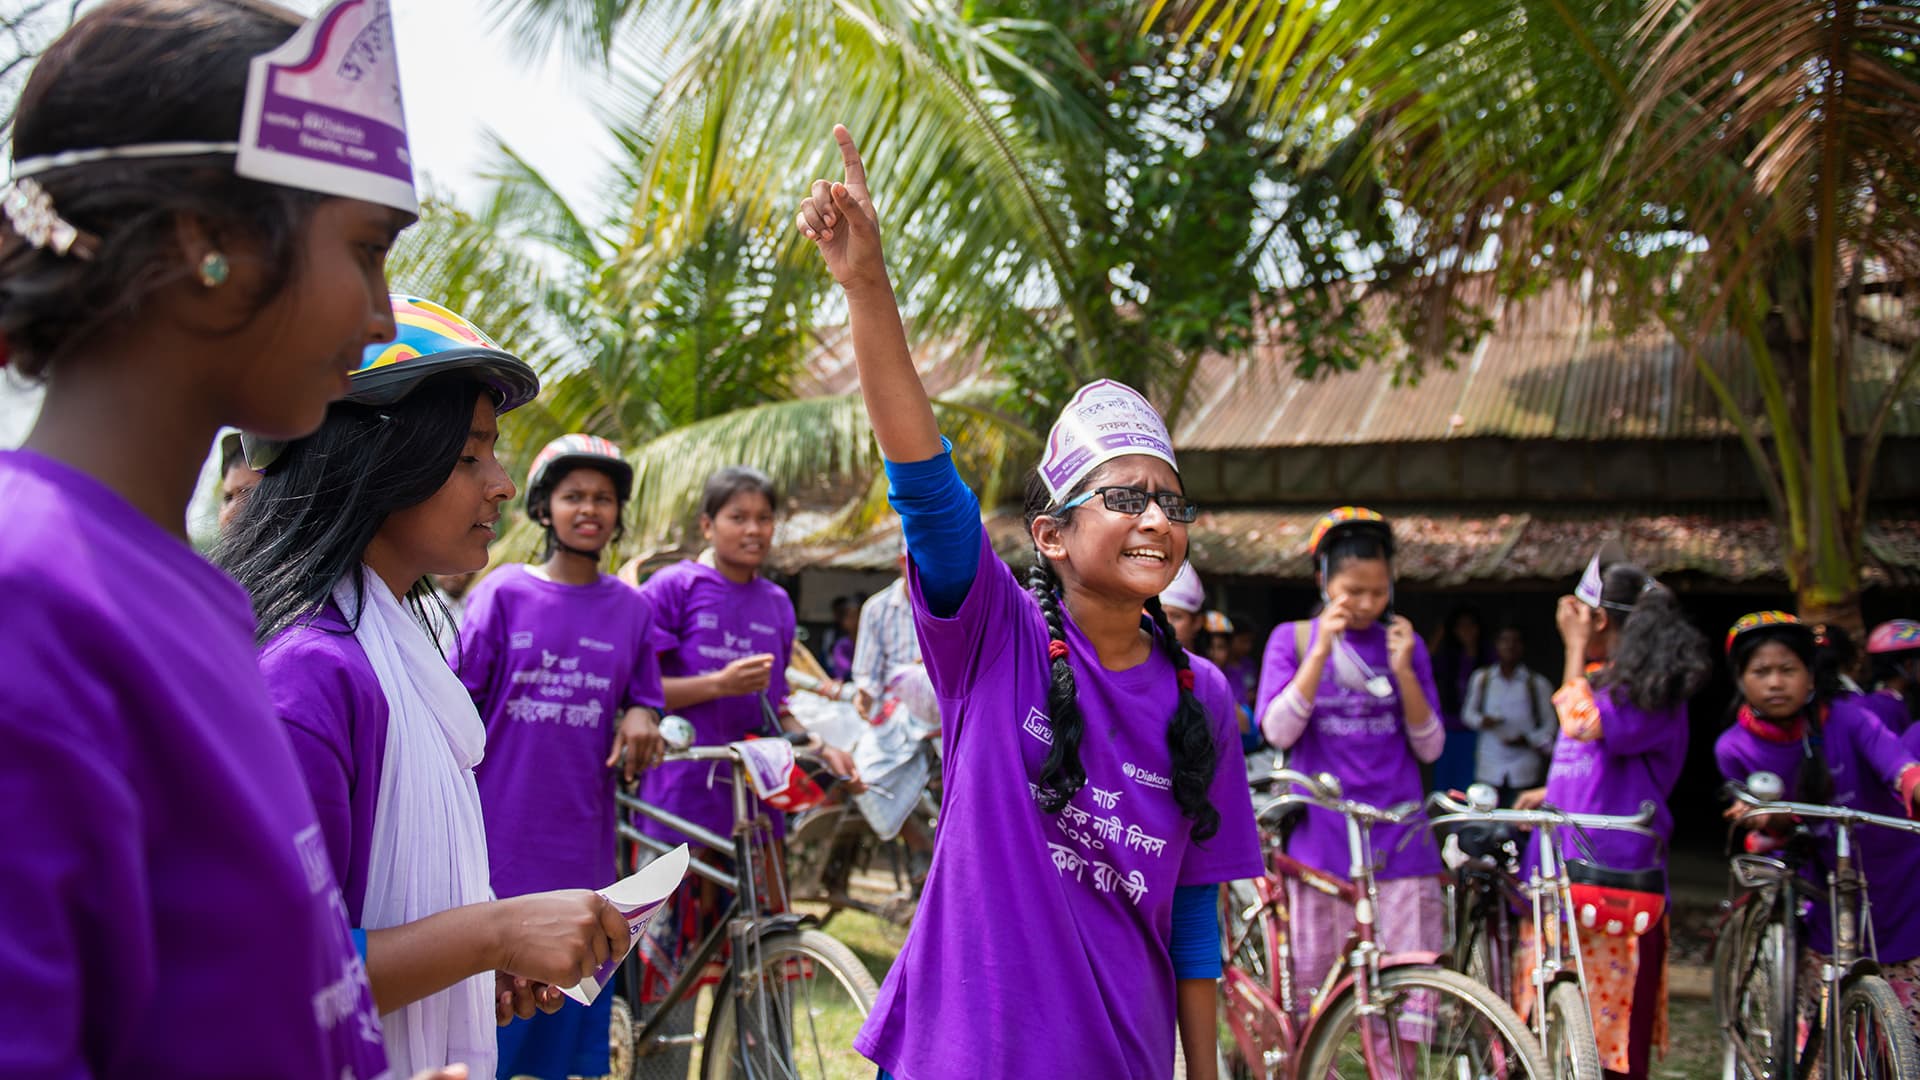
[[1351, 693], [1095, 793]]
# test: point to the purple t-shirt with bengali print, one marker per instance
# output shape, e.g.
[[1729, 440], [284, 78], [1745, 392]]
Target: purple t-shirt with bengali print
[[1891, 711], [702, 622], [166, 907], [1362, 740], [1041, 943], [1636, 759], [325, 691], [551, 668], [1866, 761]]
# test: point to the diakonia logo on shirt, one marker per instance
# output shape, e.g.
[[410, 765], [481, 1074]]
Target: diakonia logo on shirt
[[760, 628], [1145, 777], [1038, 727], [596, 646]]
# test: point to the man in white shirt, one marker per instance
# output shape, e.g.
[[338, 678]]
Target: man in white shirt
[[1512, 706], [885, 644]]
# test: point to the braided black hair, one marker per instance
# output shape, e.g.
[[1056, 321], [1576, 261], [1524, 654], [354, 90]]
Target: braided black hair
[[1063, 774], [1189, 735]]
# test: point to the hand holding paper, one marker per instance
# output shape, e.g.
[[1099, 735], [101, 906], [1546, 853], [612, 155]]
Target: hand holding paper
[[635, 899]]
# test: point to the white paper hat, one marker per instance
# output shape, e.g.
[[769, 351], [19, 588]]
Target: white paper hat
[[1186, 592], [1105, 420], [322, 113], [323, 110], [1589, 589]]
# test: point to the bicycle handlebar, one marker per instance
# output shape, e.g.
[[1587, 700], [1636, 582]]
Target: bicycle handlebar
[[1324, 791], [1455, 811], [1842, 814], [802, 741]]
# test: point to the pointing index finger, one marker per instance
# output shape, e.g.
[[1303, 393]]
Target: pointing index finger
[[850, 156]]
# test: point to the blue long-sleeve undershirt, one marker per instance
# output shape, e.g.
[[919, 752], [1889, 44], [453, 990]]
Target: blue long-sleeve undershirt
[[940, 517]]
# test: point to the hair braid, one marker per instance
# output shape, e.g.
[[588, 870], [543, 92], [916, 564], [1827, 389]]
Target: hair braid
[[1062, 775], [1189, 737]]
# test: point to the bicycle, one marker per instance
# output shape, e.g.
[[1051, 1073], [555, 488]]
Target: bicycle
[[790, 997], [1354, 1023], [1756, 958], [1481, 935]]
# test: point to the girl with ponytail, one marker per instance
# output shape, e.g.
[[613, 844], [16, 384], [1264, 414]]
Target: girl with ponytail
[[1095, 791], [1793, 717], [1632, 662]]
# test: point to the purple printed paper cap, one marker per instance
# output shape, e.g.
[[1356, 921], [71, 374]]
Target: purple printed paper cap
[[1105, 420], [323, 111], [1186, 592]]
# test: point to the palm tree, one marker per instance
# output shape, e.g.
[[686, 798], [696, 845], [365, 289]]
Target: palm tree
[[999, 136], [1740, 169]]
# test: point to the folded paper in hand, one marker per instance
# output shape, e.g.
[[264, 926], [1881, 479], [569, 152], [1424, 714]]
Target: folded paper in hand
[[639, 897]]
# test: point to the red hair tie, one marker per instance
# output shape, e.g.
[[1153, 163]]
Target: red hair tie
[[1186, 679], [1056, 649]]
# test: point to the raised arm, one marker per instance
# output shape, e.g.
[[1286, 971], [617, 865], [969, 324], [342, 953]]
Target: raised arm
[[840, 220]]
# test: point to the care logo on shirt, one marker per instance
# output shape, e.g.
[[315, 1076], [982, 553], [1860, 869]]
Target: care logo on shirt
[[1037, 726], [706, 620], [521, 639]]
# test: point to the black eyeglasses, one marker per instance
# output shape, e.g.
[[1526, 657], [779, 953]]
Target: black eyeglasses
[[1133, 502]]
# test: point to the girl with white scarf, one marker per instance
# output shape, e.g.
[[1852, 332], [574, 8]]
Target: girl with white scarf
[[335, 548]]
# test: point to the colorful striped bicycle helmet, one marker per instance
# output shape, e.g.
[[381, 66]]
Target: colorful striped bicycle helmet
[[1348, 519], [1895, 635], [430, 340], [1775, 620]]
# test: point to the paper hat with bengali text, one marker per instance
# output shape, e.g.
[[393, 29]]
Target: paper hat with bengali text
[[1105, 420], [322, 113]]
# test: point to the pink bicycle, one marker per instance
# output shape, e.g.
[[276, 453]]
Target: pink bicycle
[[1358, 1022]]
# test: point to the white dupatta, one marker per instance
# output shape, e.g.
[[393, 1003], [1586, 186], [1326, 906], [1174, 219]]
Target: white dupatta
[[428, 852]]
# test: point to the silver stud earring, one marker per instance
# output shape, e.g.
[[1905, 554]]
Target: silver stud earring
[[213, 270]]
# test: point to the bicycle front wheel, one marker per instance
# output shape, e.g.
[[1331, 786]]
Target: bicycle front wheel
[[1429, 1024], [793, 1018], [1571, 1050], [1753, 989], [1876, 1038]]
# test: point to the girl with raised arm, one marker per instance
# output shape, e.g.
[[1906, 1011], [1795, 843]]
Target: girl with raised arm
[[1095, 794]]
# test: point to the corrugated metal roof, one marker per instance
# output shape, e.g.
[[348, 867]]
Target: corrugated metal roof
[[1550, 368], [1453, 545]]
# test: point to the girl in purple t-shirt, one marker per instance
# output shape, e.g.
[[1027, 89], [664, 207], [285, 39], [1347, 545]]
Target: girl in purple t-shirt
[[1792, 719], [560, 661], [1351, 693], [335, 546], [1094, 790], [1632, 662], [165, 909]]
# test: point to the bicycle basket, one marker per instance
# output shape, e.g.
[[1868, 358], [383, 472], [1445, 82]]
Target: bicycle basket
[[1619, 903]]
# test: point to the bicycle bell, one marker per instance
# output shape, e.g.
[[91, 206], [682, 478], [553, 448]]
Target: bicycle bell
[[677, 731], [1482, 797], [1331, 783], [1766, 786]]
